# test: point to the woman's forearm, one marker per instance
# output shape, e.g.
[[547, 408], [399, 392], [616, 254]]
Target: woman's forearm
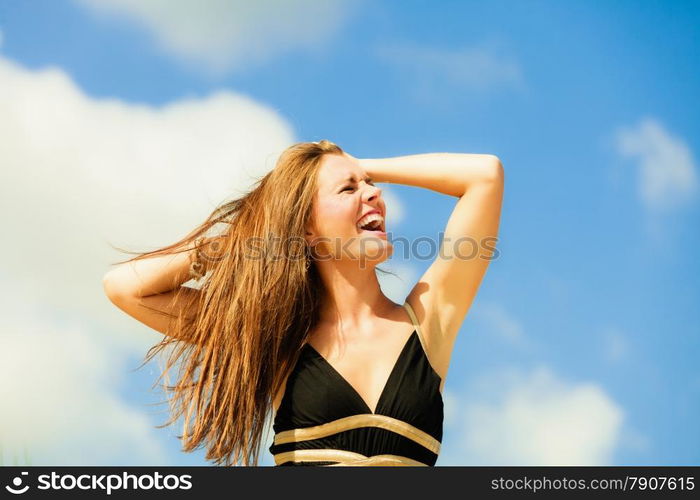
[[447, 173], [152, 275]]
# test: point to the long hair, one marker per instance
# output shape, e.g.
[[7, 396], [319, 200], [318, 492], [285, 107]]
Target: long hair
[[253, 314]]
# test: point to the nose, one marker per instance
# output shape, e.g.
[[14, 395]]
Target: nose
[[371, 192]]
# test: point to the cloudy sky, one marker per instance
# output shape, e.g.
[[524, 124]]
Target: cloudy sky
[[126, 122]]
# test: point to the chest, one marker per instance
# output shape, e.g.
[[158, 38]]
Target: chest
[[317, 394], [363, 363]]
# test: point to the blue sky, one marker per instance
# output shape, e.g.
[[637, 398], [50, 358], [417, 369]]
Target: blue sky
[[581, 346]]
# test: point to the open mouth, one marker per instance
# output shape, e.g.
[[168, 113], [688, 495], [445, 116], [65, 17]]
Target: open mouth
[[373, 223], [376, 225]]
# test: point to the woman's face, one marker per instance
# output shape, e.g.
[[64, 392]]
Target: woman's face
[[345, 194]]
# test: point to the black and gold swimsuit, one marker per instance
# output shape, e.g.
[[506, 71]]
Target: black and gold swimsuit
[[322, 420]]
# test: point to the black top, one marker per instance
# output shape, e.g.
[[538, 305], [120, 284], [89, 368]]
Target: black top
[[322, 419]]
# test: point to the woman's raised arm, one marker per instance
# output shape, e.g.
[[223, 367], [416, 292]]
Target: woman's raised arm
[[150, 289], [445, 292]]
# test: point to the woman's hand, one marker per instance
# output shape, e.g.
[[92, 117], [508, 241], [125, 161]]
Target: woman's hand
[[362, 164]]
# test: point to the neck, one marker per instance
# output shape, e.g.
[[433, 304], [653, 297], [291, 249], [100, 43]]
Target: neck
[[353, 295]]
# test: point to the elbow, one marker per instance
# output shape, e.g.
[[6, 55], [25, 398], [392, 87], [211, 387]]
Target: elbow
[[493, 170], [486, 171], [106, 282], [496, 167], [109, 288], [112, 289]]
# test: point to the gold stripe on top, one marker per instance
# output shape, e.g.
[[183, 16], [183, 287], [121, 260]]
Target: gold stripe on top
[[355, 421], [345, 458], [414, 319], [383, 461]]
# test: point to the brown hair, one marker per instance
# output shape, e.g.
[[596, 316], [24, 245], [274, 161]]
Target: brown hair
[[253, 315]]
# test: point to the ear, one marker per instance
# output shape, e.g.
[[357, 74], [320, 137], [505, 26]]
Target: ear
[[310, 233]]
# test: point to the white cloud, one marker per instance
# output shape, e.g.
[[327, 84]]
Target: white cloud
[[429, 69], [79, 174], [667, 177], [534, 419], [223, 35], [58, 388]]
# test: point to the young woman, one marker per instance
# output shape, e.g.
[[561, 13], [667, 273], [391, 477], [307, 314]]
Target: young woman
[[291, 320]]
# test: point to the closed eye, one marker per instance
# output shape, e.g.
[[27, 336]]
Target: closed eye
[[369, 181]]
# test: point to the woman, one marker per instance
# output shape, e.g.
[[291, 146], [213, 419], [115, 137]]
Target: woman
[[291, 317]]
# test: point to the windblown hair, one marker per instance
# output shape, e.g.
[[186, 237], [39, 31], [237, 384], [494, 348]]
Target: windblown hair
[[254, 311]]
